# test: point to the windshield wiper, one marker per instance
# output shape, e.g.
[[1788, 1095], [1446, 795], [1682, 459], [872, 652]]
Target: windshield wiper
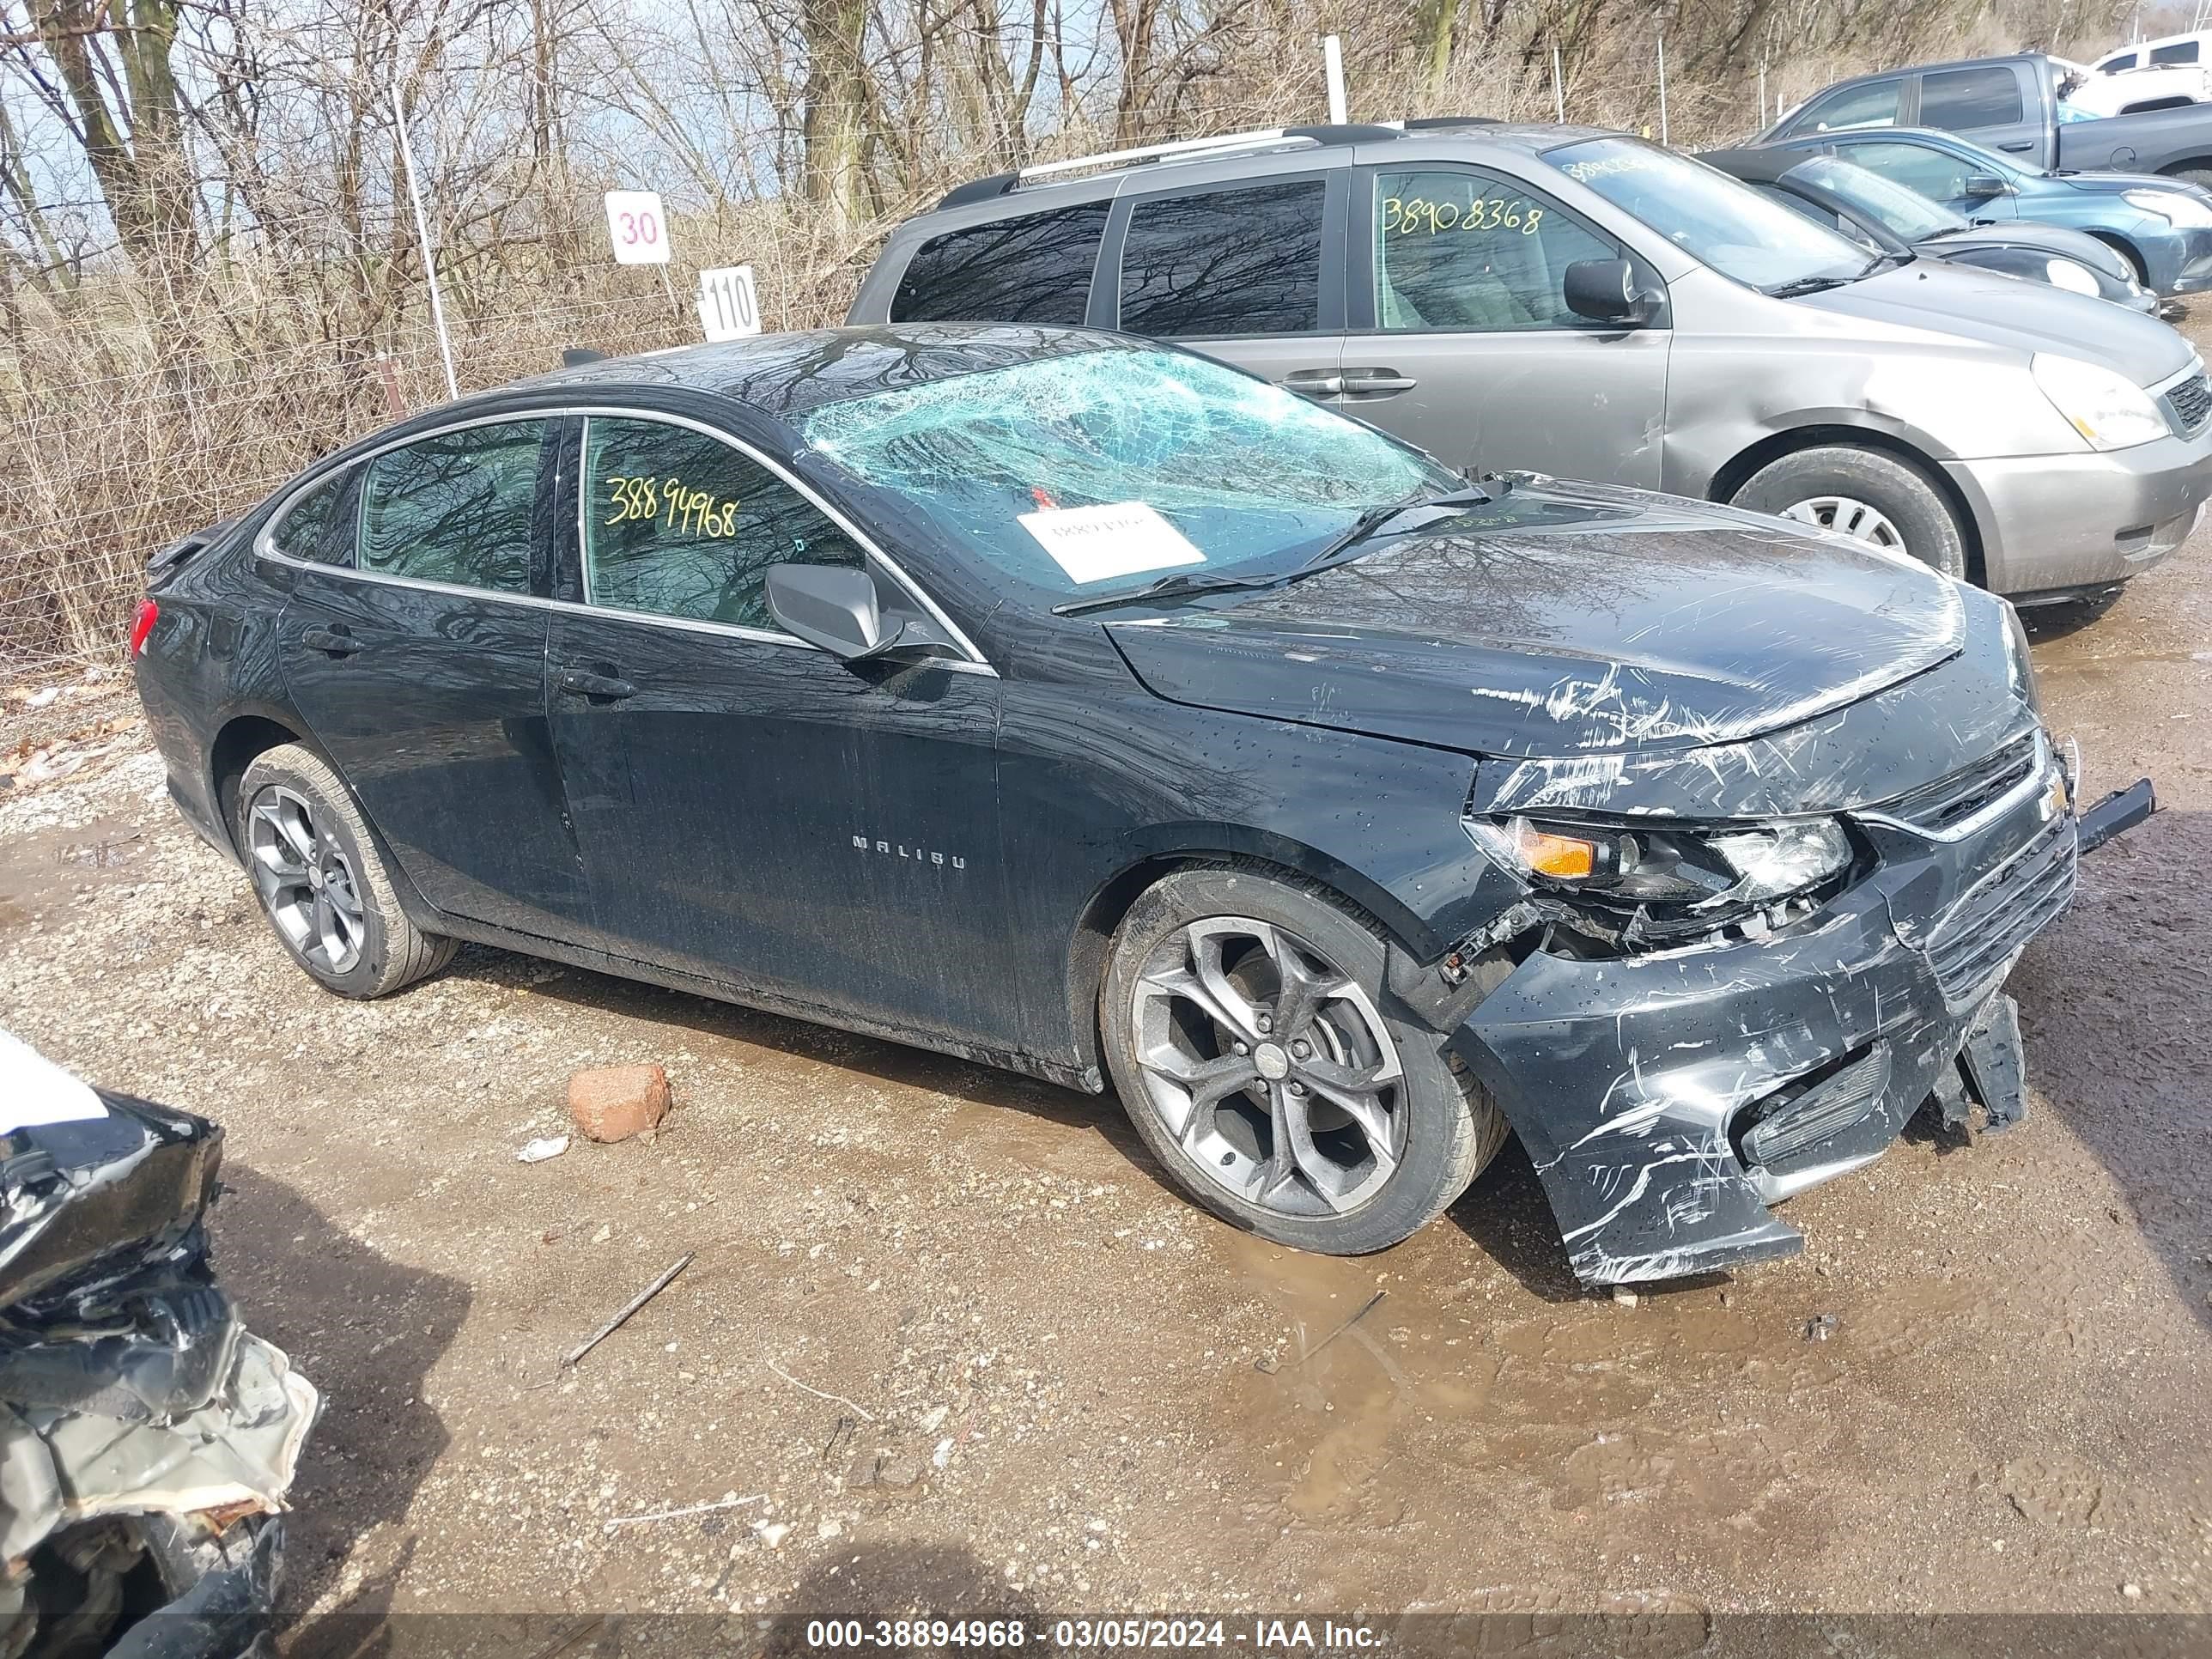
[[1182, 581], [1358, 530], [1376, 517], [1807, 285]]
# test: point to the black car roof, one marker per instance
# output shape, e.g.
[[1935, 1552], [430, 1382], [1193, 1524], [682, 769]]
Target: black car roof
[[787, 376], [1760, 165]]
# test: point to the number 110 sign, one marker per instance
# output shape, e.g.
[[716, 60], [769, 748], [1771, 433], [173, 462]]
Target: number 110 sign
[[637, 226]]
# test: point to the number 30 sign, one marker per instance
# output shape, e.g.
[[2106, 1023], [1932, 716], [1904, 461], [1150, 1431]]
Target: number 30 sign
[[637, 227]]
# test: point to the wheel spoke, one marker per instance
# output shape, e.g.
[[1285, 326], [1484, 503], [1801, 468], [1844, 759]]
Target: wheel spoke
[[1296, 1129], [1301, 997], [1230, 1010]]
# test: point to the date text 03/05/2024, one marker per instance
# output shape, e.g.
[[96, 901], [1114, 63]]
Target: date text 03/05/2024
[[1110, 1634]]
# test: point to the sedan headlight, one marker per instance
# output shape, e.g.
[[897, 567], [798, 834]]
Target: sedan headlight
[[2108, 410], [2065, 273], [1708, 876], [2171, 205]]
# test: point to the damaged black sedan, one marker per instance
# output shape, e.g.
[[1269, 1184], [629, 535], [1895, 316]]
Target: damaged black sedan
[[1080, 705]]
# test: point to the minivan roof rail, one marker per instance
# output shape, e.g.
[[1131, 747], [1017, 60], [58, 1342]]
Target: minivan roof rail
[[1181, 149]]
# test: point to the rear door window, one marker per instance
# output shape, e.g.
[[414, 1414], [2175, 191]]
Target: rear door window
[[457, 508], [2181, 51], [1226, 261], [679, 524], [1872, 106], [1035, 269], [1960, 100]]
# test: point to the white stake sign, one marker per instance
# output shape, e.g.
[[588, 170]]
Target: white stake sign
[[637, 227], [729, 309]]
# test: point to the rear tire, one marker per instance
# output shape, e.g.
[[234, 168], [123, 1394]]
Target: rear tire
[[1865, 495], [324, 880], [1335, 1127]]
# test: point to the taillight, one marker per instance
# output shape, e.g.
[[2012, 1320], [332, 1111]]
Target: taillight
[[143, 624]]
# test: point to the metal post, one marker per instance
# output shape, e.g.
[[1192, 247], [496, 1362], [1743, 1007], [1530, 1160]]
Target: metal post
[[1762, 92], [1662, 84], [1558, 88], [1332, 69], [422, 234]]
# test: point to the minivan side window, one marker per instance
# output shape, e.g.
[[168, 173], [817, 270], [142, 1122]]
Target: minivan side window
[[679, 524], [456, 507], [1035, 269], [1874, 106], [1960, 100], [1245, 261], [1458, 252]]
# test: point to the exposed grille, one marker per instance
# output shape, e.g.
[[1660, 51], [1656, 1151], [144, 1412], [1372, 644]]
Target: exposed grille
[[1938, 806], [1976, 942], [2190, 402]]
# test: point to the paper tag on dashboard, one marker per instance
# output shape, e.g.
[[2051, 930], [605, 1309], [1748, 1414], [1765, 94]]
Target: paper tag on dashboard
[[1121, 538]]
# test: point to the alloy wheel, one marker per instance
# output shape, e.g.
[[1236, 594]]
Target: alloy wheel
[[1270, 1067], [306, 882], [1848, 516]]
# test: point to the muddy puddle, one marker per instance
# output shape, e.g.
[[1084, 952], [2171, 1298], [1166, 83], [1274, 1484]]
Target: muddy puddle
[[42, 870]]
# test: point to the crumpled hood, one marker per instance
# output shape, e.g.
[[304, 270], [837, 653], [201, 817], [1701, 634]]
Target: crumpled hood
[[1560, 620], [1999, 310]]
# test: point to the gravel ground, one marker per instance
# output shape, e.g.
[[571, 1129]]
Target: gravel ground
[[951, 1344]]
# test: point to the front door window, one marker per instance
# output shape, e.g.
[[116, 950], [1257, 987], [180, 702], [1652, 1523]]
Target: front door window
[[679, 524], [1460, 252]]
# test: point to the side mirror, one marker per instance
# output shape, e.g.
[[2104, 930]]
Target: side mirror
[[1604, 290], [1980, 187], [830, 607]]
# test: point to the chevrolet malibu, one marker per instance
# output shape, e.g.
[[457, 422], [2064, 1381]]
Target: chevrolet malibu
[[1080, 705]]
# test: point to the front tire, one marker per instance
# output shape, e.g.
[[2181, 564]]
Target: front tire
[[1243, 1017], [1865, 495], [323, 880]]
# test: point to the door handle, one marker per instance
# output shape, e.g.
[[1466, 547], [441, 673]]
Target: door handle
[[2019, 144], [605, 688], [1378, 380], [332, 641], [1313, 383]]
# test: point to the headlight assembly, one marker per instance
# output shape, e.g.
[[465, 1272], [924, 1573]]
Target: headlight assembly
[[2108, 410], [2172, 206], [2068, 274], [1662, 883]]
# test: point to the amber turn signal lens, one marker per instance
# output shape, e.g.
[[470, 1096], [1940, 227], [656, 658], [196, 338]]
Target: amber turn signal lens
[[1565, 857]]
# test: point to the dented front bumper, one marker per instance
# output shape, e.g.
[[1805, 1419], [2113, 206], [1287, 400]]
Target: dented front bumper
[[1667, 1100], [148, 1441]]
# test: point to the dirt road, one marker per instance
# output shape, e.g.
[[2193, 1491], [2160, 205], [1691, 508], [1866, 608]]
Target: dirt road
[[950, 1343]]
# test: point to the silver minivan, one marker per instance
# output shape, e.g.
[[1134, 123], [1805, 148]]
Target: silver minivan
[[1578, 302]]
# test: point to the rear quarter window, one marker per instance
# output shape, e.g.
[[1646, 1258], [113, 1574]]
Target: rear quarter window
[[1035, 269], [317, 528]]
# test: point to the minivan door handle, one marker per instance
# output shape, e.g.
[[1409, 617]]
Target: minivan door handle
[[331, 641], [1314, 382], [2019, 144], [603, 688], [1378, 380]]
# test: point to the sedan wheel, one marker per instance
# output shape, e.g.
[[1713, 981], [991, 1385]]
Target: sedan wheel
[[323, 880], [1272, 1068], [307, 883], [1244, 1022]]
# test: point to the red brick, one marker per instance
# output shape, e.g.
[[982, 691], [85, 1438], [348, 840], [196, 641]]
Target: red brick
[[613, 1102]]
